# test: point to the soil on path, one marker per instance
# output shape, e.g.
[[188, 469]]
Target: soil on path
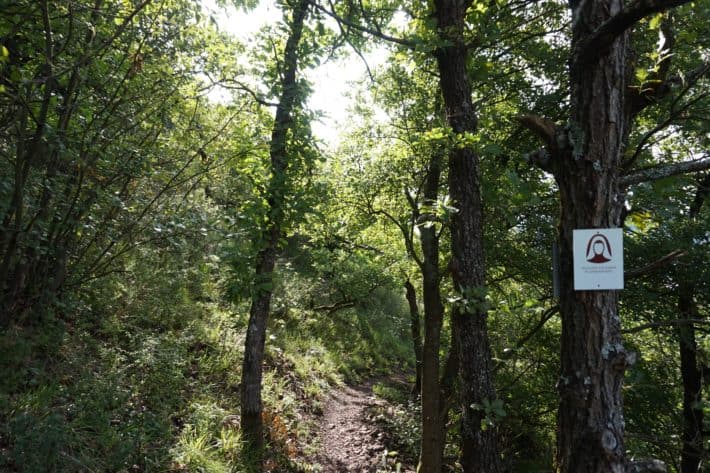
[[350, 441]]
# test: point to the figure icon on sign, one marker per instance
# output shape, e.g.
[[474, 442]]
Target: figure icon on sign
[[598, 248]]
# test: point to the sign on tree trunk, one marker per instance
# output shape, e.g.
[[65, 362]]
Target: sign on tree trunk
[[598, 259]]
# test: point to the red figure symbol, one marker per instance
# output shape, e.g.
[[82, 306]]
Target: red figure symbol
[[598, 248]]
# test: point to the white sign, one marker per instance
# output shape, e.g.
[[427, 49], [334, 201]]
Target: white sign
[[598, 259]]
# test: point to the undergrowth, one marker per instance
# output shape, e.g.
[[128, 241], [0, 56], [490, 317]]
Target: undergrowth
[[144, 376], [400, 420]]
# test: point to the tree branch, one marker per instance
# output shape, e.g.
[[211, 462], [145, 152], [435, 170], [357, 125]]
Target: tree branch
[[376, 32], [656, 173], [543, 128], [510, 352], [659, 263], [601, 39], [332, 308], [403, 229], [666, 323], [653, 91], [551, 134], [700, 196], [647, 465], [547, 315], [234, 84]]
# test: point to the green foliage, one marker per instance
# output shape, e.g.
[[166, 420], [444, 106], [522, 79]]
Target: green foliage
[[400, 419], [492, 411], [471, 300], [133, 205], [153, 382]]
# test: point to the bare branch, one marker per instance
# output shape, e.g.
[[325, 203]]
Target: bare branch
[[547, 315], [658, 264], [376, 32], [656, 173], [409, 244], [237, 85], [666, 323], [544, 128], [544, 318], [332, 308]]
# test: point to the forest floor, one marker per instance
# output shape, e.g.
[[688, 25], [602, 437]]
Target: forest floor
[[350, 439]]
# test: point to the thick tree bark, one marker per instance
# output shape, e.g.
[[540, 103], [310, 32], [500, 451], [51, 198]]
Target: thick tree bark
[[593, 359], [479, 447], [415, 326], [585, 158], [251, 406]]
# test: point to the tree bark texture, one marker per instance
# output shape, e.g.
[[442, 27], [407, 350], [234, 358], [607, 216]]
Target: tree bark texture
[[432, 442], [693, 449], [691, 375], [479, 450], [251, 405], [593, 359], [585, 158], [416, 330]]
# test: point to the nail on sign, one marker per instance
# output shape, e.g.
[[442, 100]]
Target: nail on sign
[[598, 259]]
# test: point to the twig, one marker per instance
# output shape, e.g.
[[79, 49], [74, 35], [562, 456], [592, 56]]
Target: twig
[[659, 263]]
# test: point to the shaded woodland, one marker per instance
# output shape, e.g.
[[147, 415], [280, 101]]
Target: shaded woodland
[[187, 269]]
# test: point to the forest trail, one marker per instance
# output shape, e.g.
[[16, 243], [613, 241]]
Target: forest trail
[[350, 440]]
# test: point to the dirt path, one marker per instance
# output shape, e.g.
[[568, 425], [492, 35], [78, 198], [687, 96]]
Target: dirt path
[[350, 442]]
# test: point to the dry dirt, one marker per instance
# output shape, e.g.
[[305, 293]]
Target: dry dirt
[[350, 442]]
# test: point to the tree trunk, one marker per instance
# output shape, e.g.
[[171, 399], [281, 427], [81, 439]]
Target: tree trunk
[[693, 449], [593, 359], [585, 158], [416, 330], [447, 389], [478, 446], [432, 443], [251, 406]]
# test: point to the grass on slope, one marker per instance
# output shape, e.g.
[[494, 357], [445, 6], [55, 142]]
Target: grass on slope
[[146, 379]]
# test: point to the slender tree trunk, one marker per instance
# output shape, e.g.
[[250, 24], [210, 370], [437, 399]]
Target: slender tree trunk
[[479, 447], [251, 406], [693, 437], [432, 444], [415, 326], [447, 390], [692, 451]]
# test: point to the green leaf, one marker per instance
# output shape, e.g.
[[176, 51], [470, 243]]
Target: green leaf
[[492, 149], [655, 21], [641, 74]]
